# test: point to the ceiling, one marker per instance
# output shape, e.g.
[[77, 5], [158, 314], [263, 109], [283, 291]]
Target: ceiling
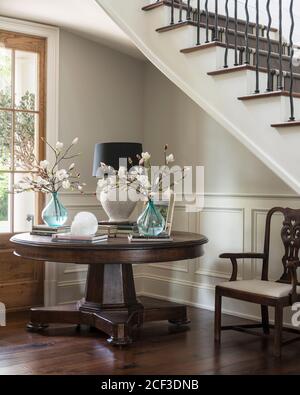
[[84, 17]]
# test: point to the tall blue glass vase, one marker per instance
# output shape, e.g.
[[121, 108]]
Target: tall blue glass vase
[[55, 214], [151, 222]]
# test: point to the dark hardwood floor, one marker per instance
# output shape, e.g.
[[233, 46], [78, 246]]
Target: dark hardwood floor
[[161, 349]]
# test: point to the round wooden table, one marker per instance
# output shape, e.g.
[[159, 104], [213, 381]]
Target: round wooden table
[[110, 303]]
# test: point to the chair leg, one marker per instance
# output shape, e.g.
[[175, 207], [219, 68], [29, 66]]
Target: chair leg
[[278, 330], [265, 319], [218, 316]]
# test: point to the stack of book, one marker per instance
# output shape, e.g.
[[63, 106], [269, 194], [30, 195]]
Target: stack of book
[[162, 238], [116, 229], [44, 230], [69, 238]]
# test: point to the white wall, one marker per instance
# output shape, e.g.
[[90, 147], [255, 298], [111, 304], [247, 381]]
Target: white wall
[[100, 97]]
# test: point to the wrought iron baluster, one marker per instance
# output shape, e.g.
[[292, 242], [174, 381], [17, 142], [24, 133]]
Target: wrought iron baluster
[[216, 30], [247, 56], [198, 22], [206, 21], [280, 77], [188, 11], [236, 63], [172, 12], [226, 35], [269, 87], [180, 11], [292, 117], [257, 47]]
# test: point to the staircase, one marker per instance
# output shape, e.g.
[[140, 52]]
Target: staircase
[[240, 71]]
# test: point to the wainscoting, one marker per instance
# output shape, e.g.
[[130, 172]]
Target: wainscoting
[[233, 223]]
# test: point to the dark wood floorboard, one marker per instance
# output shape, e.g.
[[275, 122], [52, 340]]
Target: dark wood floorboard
[[160, 349]]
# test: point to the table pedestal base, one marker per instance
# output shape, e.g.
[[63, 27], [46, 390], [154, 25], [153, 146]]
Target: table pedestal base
[[119, 324], [111, 306]]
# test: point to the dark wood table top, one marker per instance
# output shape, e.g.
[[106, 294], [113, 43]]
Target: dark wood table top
[[115, 250]]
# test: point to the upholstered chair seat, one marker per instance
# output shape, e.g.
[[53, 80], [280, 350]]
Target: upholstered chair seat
[[263, 288]]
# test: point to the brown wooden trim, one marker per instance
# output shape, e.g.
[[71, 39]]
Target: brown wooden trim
[[286, 124], [220, 44], [267, 95], [19, 110], [203, 47], [18, 296], [174, 27], [230, 70], [243, 67]]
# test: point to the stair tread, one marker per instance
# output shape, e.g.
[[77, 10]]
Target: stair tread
[[288, 124], [268, 94], [168, 3], [243, 67]]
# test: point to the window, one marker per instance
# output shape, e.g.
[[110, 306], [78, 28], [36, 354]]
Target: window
[[22, 121]]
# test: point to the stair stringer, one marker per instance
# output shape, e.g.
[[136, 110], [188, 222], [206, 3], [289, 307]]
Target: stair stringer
[[251, 125]]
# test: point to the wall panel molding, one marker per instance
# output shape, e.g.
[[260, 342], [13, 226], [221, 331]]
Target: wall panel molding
[[194, 282]]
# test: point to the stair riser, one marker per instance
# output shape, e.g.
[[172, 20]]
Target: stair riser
[[263, 62], [211, 19], [262, 75]]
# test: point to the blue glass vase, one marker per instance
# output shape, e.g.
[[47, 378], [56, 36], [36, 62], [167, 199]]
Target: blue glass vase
[[151, 222], [55, 214]]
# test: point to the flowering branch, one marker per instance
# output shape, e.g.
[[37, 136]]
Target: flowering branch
[[46, 178]]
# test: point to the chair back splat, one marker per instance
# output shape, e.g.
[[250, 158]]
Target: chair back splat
[[290, 235]]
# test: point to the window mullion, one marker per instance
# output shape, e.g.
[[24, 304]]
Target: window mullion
[[13, 85]]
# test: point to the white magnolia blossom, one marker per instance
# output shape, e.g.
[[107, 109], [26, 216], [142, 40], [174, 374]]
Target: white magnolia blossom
[[75, 141], [62, 174], [23, 185], [71, 167], [79, 188], [59, 146], [146, 156], [66, 184], [41, 181], [170, 158], [44, 164], [143, 181], [122, 173]]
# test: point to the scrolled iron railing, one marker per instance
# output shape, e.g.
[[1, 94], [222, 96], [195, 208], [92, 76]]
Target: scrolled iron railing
[[245, 39]]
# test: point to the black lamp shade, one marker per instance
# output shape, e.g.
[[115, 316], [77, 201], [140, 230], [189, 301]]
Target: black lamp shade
[[110, 154]]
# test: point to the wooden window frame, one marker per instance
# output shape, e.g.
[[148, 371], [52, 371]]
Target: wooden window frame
[[28, 43]]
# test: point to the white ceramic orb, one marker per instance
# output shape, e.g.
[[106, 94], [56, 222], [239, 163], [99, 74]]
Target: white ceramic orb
[[84, 224]]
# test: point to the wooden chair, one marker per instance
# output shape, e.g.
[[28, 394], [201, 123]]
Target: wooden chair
[[283, 293]]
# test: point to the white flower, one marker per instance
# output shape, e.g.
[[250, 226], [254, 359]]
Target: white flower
[[71, 167], [59, 146], [62, 174], [75, 141], [143, 181], [24, 185], [146, 156], [44, 164], [170, 158], [122, 173], [79, 188], [102, 183], [66, 184], [41, 181]]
